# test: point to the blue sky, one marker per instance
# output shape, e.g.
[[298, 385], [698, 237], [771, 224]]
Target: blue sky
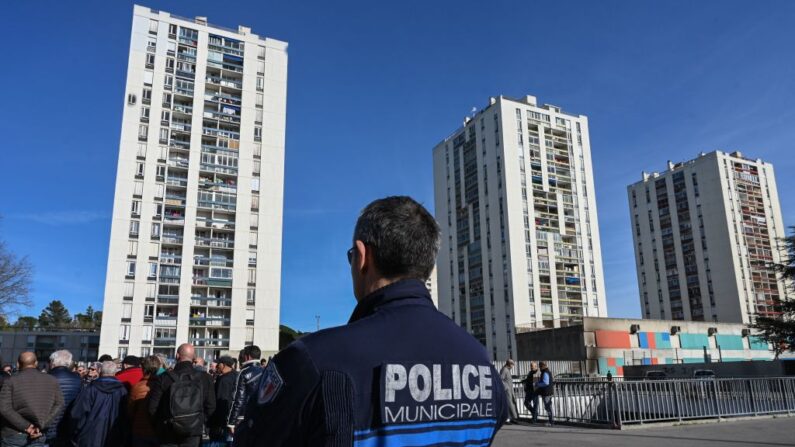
[[372, 87]]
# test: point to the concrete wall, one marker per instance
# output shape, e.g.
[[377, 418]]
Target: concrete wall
[[556, 344]]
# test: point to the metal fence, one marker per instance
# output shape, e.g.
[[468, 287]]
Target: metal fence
[[643, 401]]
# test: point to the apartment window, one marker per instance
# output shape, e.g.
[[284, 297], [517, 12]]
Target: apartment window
[[126, 310], [261, 52], [151, 44], [252, 276], [172, 30], [129, 288], [151, 288], [254, 202], [254, 220], [143, 132], [167, 100], [256, 165], [134, 225], [251, 295], [249, 335], [153, 26], [257, 133], [170, 65], [159, 188], [158, 210], [163, 136], [160, 172], [255, 185], [133, 249], [146, 96], [260, 67], [257, 150], [136, 208], [249, 317], [150, 63], [148, 77], [258, 116], [131, 268], [124, 332], [165, 116], [146, 334], [138, 188], [259, 100], [131, 98], [144, 114], [252, 259], [152, 270], [141, 150], [139, 170], [168, 83], [252, 239], [155, 230], [260, 83]]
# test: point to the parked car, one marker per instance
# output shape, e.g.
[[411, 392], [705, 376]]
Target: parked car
[[704, 374], [656, 375]]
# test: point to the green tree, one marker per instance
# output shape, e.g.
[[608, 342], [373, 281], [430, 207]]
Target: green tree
[[779, 330], [55, 315], [3, 321], [27, 322], [97, 317], [86, 320], [287, 335]]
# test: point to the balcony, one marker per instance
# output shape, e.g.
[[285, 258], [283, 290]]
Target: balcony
[[223, 117], [165, 341], [178, 162], [215, 224], [214, 261], [167, 299], [201, 300], [183, 108], [223, 133], [209, 321], [171, 239], [170, 259], [214, 242], [166, 320], [223, 98], [217, 342], [177, 181], [225, 82]]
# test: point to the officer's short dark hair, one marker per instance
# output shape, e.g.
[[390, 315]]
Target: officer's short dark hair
[[251, 351], [403, 234]]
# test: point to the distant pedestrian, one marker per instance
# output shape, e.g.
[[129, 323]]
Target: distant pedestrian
[[199, 364], [226, 379], [507, 383], [29, 401], [247, 384], [131, 372], [58, 435], [545, 387], [105, 358], [143, 432], [99, 414], [530, 396], [180, 401]]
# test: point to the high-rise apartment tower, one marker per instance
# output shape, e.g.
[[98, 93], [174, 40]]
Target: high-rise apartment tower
[[195, 247], [705, 232], [515, 198]]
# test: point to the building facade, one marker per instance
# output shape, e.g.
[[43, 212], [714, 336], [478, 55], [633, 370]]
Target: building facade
[[603, 345], [195, 247], [83, 344], [515, 200], [704, 232]]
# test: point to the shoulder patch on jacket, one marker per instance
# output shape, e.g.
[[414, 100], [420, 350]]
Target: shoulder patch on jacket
[[270, 383]]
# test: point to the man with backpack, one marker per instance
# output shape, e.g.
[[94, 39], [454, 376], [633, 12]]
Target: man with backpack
[[180, 401], [545, 387]]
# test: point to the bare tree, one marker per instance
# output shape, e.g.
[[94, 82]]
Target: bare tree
[[15, 278]]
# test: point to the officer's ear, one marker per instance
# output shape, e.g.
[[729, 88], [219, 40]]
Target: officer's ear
[[360, 258]]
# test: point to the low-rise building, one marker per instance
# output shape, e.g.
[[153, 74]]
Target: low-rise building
[[605, 345], [83, 344]]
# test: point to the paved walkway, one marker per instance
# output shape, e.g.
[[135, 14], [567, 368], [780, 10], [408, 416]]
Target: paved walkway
[[762, 432]]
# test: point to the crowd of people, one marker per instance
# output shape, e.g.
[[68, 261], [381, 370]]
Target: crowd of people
[[134, 402], [537, 385]]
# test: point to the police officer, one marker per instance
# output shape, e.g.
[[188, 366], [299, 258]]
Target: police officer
[[399, 373]]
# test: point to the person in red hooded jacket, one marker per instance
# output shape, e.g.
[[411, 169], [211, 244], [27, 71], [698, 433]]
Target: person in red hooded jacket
[[131, 372]]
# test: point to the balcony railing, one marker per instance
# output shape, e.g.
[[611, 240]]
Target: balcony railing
[[219, 342], [209, 321], [168, 299], [166, 320], [165, 341], [201, 300]]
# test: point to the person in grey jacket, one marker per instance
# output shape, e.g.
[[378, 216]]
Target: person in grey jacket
[[507, 383], [29, 401]]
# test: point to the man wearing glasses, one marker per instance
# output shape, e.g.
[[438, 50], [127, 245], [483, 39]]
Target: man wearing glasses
[[399, 373]]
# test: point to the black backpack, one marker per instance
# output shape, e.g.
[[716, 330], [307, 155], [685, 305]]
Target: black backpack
[[185, 404]]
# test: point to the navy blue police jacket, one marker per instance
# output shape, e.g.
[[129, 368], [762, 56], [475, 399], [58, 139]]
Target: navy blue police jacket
[[399, 373]]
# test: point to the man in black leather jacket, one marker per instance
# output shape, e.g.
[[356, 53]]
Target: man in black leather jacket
[[246, 386]]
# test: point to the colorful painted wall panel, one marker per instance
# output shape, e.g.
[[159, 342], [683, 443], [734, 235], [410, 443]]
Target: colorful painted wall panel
[[730, 342], [758, 344], [693, 341], [612, 339], [662, 340]]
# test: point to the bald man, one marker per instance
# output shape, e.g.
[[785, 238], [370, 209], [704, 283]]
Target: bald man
[[181, 429], [28, 403]]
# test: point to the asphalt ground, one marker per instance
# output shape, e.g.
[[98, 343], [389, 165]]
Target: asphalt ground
[[779, 431]]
